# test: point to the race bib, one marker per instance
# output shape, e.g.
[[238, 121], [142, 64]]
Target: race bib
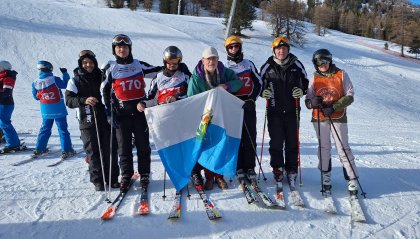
[[49, 95]]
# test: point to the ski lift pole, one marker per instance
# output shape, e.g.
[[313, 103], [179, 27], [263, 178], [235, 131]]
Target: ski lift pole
[[231, 17]]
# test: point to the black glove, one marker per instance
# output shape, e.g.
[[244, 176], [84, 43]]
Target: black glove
[[63, 70], [249, 105], [113, 122], [328, 110], [316, 101]]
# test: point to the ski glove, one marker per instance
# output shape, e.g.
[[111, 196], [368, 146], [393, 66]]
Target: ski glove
[[249, 105], [297, 92], [266, 94], [314, 102], [328, 110], [113, 122], [63, 70]]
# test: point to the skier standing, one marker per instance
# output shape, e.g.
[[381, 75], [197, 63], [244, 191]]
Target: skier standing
[[251, 87], [83, 92], [7, 105], [285, 81], [208, 74], [171, 84], [47, 90], [122, 91], [331, 92]]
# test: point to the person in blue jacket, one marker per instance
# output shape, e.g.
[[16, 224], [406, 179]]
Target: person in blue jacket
[[47, 90]]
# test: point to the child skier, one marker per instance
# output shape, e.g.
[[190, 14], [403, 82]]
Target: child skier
[[46, 89], [7, 83]]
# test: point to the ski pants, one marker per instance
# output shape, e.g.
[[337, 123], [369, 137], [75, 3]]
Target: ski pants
[[247, 148], [283, 141], [129, 125], [326, 131], [93, 151], [10, 135], [45, 133]]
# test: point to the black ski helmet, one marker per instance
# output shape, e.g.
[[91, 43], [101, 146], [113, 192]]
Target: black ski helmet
[[321, 56], [121, 40]]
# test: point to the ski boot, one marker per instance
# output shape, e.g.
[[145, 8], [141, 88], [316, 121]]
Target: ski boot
[[278, 174], [144, 180], [68, 154], [326, 183], [197, 179], [352, 187], [291, 179]]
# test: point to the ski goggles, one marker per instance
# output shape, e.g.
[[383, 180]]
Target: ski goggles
[[232, 46], [121, 39], [87, 52], [322, 61], [280, 41]]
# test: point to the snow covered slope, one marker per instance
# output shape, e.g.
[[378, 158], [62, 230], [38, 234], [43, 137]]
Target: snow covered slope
[[42, 202]]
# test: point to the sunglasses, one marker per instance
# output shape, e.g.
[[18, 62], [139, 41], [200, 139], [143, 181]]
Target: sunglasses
[[87, 52], [173, 61], [232, 46], [121, 39]]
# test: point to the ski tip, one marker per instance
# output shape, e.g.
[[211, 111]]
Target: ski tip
[[108, 214], [144, 209]]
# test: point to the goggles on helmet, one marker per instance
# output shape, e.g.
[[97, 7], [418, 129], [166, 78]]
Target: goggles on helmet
[[280, 41], [121, 39], [87, 52]]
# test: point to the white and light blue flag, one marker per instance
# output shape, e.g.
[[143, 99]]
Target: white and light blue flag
[[205, 128]]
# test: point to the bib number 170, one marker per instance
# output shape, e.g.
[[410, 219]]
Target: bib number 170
[[129, 84]]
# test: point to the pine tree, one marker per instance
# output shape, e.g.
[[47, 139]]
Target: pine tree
[[165, 6], [286, 18], [148, 4]]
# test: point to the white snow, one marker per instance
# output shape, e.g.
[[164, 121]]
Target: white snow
[[42, 202]]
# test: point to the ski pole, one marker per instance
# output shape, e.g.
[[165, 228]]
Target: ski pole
[[100, 156], [262, 143], [188, 192], [319, 148], [164, 184], [345, 153], [298, 141], [255, 151]]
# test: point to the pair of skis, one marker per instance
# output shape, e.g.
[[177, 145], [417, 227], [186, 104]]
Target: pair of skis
[[33, 157], [357, 214], [211, 210], [254, 194], [295, 196], [143, 206]]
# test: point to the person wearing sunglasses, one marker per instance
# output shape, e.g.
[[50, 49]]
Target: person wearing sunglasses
[[123, 90], [208, 74], [171, 84], [330, 93], [284, 83], [83, 92], [251, 87]]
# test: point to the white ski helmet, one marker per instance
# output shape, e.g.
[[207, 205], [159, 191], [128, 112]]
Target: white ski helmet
[[5, 65]]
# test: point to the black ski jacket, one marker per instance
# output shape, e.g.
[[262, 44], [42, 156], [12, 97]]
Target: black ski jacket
[[281, 79], [79, 88]]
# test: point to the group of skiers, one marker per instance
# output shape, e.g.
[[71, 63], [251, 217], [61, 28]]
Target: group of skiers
[[111, 103]]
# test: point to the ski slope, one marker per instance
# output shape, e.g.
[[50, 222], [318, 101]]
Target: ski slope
[[37, 201]]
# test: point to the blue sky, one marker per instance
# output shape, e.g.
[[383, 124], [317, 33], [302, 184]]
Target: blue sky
[[416, 1]]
